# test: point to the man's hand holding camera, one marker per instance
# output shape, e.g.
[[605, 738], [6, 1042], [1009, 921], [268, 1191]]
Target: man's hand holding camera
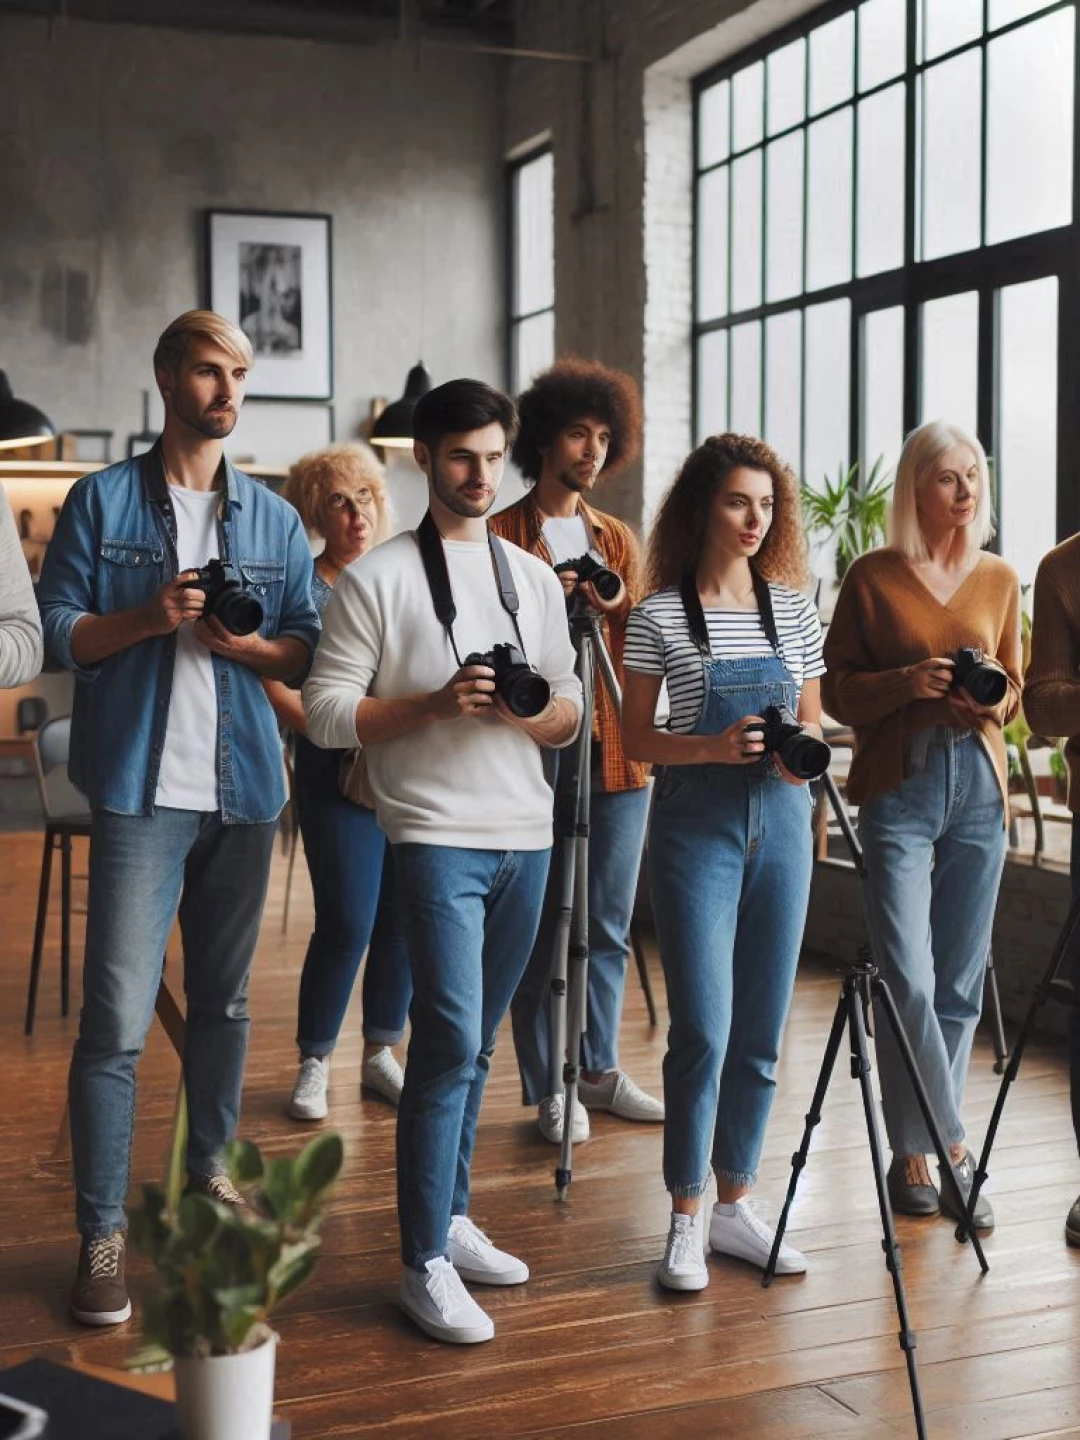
[[172, 604], [469, 693]]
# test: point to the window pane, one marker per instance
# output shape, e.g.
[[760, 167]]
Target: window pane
[[534, 234], [534, 347], [746, 378], [712, 244], [714, 124], [1029, 129], [712, 378], [880, 235], [882, 41], [825, 394], [1003, 11], [828, 231], [950, 360], [787, 86], [746, 231], [749, 106], [784, 217], [882, 430], [951, 125], [832, 63], [783, 384], [949, 23], [1027, 423]]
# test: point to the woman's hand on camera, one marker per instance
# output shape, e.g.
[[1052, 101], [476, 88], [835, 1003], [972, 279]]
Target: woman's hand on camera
[[741, 743], [467, 694], [967, 710], [930, 679]]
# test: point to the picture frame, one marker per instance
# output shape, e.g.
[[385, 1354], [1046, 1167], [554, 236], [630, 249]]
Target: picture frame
[[270, 273]]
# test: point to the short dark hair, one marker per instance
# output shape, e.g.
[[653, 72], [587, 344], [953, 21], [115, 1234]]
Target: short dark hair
[[576, 389], [460, 406]]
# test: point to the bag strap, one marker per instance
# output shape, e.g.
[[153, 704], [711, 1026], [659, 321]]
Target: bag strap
[[695, 615], [433, 557]]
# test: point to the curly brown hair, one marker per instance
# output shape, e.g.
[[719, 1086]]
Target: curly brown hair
[[682, 522], [570, 390]]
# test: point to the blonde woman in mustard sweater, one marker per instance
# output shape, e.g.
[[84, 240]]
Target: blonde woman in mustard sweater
[[929, 777]]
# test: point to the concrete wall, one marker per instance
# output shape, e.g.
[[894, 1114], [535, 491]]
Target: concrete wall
[[115, 138]]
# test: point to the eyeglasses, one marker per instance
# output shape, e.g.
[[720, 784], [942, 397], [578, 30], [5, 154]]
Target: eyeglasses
[[356, 501]]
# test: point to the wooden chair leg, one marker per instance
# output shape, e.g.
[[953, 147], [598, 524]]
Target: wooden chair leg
[[39, 931], [65, 922], [643, 972]]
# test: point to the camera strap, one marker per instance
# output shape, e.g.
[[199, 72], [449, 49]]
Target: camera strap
[[438, 577], [695, 615]]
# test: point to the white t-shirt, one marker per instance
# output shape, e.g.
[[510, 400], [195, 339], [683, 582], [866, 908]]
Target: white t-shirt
[[188, 777], [567, 539], [469, 783]]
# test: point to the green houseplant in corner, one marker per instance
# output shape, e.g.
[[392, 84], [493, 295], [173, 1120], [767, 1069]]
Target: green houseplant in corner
[[221, 1272], [851, 513]]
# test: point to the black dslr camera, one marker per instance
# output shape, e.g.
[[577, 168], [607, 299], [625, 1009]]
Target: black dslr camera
[[803, 755], [983, 679], [239, 612], [524, 690], [606, 582]]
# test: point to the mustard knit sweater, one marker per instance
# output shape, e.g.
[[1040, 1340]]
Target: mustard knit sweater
[[887, 620]]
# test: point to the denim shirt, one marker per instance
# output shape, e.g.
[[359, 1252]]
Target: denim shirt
[[114, 546]]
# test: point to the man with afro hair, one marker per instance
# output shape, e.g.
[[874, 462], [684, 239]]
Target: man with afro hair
[[579, 423]]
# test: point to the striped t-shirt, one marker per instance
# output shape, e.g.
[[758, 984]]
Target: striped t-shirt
[[658, 642]]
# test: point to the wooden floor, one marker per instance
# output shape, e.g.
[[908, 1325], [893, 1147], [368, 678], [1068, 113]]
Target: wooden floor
[[590, 1347]]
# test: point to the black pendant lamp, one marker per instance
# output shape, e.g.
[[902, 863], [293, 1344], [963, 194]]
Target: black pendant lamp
[[394, 427], [20, 422]]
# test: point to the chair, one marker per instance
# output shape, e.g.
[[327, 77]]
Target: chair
[[66, 815]]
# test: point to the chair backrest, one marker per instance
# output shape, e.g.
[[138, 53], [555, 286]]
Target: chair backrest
[[59, 798]]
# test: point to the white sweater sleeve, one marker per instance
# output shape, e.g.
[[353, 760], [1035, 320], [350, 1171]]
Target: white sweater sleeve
[[345, 663], [20, 623]]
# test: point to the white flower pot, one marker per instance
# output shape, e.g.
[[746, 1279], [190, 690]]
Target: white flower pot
[[227, 1397]]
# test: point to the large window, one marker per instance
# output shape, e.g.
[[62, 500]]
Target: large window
[[884, 235], [531, 267]]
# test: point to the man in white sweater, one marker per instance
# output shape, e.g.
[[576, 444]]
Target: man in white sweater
[[20, 624], [460, 791]]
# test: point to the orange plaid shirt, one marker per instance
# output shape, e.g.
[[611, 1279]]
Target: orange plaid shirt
[[522, 524]]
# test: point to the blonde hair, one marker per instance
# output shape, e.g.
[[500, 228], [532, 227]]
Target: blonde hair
[[919, 458], [172, 346], [319, 474]]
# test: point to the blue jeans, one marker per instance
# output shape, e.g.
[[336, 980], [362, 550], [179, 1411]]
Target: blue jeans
[[142, 867], [616, 834], [934, 852], [470, 918], [352, 880]]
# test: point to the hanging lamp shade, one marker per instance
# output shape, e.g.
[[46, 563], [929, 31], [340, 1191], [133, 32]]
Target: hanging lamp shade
[[20, 422], [394, 427]]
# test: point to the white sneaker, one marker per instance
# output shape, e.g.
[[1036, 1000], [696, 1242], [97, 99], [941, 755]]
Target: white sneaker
[[382, 1073], [475, 1258], [437, 1301], [550, 1120], [618, 1095], [308, 1101], [746, 1236], [683, 1266]]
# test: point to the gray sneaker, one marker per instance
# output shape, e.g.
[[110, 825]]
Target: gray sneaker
[[618, 1095], [99, 1295], [965, 1179]]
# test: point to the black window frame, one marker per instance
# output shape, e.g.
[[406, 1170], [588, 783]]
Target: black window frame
[[513, 319]]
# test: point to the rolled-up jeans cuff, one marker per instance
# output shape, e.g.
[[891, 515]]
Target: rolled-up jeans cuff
[[375, 1036], [737, 1177], [315, 1049], [687, 1192]]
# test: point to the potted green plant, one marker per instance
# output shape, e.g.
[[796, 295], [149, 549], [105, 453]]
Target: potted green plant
[[850, 513], [222, 1270]]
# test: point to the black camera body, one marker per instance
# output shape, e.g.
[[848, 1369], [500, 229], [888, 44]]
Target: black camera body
[[226, 598], [605, 581], [804, 756], [983, 679], [522, 688]]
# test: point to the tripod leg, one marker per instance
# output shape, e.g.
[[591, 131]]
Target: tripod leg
[[813, 1115], [860, 1069], [882, 992], [992, 1004]]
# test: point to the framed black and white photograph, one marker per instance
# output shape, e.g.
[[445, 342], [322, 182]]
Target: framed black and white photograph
[[270, 274]]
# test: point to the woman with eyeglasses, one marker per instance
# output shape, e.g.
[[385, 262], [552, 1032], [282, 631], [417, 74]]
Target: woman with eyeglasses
[[340, 493]]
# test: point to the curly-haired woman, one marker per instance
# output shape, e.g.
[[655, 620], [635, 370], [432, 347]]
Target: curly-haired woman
[[729, 841], [340, 493], [929, 777]]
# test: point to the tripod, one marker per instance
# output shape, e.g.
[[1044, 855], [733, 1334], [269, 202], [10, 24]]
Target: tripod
[[861, 985]]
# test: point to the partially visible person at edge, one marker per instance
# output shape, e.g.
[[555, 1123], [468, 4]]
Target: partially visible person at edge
[[1052, 707], [21, 651], [340, 494], [726, 628], [929, 776], [175, 746], [580, 423], [460, 791]]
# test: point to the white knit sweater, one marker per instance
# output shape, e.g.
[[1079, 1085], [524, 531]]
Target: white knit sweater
[[20, 624]]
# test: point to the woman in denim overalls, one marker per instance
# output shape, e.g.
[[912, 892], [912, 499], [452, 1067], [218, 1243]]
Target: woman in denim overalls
[[729, 842]]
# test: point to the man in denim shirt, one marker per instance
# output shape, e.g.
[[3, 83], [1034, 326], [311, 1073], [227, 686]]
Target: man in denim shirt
[[176, 748]]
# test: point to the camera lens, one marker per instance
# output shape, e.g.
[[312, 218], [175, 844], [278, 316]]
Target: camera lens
[[805, 757], [606, 583], [526, 693], [985, 684], [239, 613]]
